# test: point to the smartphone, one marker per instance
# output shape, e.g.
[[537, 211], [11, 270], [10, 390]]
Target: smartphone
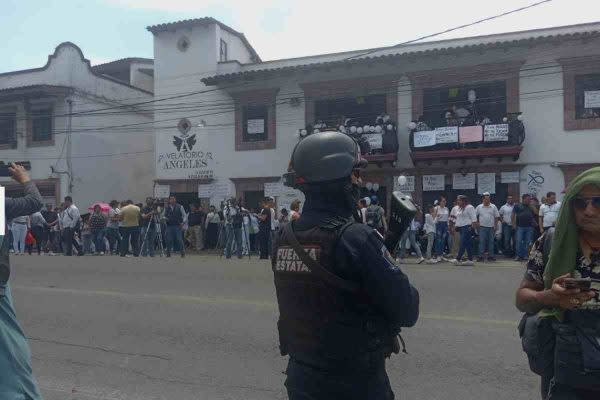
[[581, 283]]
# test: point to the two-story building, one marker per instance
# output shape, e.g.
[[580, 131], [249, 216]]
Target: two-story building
[[85, 131], [507, 113]]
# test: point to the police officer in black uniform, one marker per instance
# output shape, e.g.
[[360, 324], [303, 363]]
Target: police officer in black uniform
[[342, 300]]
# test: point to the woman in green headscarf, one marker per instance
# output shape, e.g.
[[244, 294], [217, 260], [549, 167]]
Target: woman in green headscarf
[[574, 253]]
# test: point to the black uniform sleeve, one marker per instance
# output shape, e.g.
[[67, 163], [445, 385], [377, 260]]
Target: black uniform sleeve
[[386, 284], [26, 205]]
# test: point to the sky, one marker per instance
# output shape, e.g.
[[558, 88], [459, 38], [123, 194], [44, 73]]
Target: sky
[[111, 29]]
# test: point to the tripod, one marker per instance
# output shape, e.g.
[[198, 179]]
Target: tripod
[[157, 226]]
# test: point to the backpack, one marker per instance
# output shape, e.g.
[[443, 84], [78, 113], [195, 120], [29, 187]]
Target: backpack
[[237, 219], [373, 216]]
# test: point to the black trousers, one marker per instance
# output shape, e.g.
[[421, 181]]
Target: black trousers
[[557, 391], [39, 233], [70, 242], [305, 383], [263, 238], [132, 233]]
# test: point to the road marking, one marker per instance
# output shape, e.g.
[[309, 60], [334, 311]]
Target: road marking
[[233, 302]]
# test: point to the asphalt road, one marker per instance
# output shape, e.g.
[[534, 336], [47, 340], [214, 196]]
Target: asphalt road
[[204, 328]]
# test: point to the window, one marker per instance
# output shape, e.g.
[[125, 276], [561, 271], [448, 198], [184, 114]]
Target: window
[[41, 126], [587, 96], [8, 125], [490, 101], [364, 109], [223, 51], [255, 123]]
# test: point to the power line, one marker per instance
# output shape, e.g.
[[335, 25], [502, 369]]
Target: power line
[[516, 10]]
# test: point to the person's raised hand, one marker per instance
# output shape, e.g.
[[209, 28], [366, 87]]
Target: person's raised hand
[[19, 173]]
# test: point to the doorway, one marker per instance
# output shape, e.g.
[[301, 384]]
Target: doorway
[[253, 198]]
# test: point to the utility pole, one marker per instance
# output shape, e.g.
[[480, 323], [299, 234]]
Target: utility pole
[[69, 147]]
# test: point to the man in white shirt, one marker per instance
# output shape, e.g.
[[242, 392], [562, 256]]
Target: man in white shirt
[[466, 222], [70, 220], [506, 212], [488, 218], [454, 236], [549, 212]]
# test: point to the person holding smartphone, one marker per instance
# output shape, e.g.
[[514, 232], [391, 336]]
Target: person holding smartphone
[[16, 376], [562, 281]]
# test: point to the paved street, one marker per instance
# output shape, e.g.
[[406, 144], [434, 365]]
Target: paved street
[[204, 328]]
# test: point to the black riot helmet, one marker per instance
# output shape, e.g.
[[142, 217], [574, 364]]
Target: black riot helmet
[[323, 158]]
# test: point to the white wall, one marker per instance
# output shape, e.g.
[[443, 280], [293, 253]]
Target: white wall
[[95, 178]]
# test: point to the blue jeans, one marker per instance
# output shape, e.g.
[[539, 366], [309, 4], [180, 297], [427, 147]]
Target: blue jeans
[[523, 240], [98, 239], [233, 234], [486, 241], [149, 242], [507, 239], [114, 239], [412, 237], [466, 242], [174, 239], [441, 235]]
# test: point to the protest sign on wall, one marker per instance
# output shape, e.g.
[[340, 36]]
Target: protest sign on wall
[[463, 182], [433, 183], [496, 133], [446, 134]]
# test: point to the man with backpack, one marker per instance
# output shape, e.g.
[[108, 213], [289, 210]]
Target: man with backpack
[[376, 216], [233, 228]]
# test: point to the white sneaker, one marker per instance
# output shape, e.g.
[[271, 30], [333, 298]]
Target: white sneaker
[[432, 261], [467, 263], [421, 260], [51, 254], [101, 253], [443, 259], [454, 261]]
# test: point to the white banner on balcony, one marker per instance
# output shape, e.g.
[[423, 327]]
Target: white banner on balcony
[[486, 183], [446, 134], [463, 182], [433, 183], [509, 177], [375, 140], [424, 138], [495, 133], [408, 187], [591, 99]]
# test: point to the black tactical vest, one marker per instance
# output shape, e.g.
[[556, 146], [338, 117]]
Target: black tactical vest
[[324, 320], [4, 264]]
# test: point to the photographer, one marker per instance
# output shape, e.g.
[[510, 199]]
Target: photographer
[[233, 228], [15, 361], [149, 214]]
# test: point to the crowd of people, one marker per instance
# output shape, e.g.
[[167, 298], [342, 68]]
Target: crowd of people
[[440, 233], [127, 229]]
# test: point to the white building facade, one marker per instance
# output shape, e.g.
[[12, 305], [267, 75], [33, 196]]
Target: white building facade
[[79, 127], [524, 112]]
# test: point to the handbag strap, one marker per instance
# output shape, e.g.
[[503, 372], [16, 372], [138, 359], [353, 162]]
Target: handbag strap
[[315, 267]]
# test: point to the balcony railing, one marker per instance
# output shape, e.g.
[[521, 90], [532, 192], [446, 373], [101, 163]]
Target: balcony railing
[[502, 140]]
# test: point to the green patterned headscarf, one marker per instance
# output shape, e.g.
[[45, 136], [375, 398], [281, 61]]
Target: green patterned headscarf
[[565, 243]]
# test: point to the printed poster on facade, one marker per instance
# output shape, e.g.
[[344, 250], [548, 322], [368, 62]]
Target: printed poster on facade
[[375, 140], [463, 182], [446, 134], [486, 182], [510, 177], [180, 155], [591, 99], [408, 187], [255, 126], [433, 183], [495, 133], [470, 134], [162, 191], [205, 191], [424, 139], [274, 189]]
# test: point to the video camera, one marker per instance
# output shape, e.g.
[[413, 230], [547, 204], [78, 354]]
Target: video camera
[[402, 212]]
